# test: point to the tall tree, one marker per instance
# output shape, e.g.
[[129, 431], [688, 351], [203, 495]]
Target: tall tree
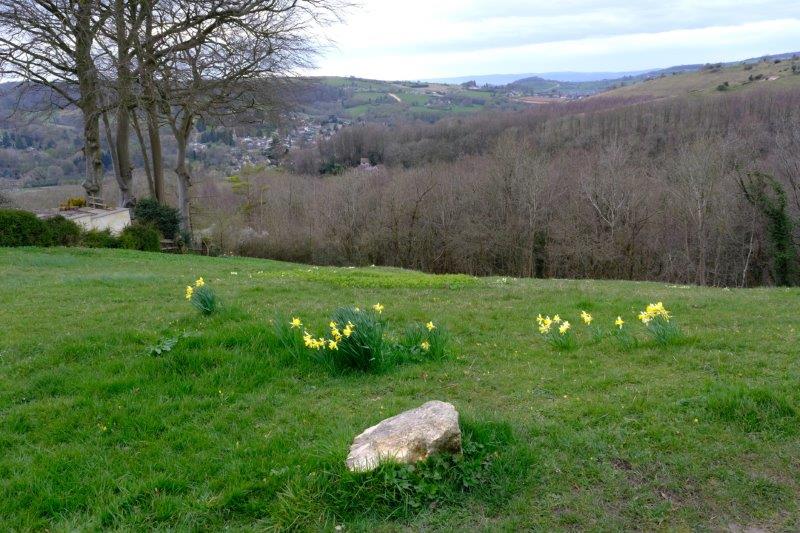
[[231, 66], [53, 44]]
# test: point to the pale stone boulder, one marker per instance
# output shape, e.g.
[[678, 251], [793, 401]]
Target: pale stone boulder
[[408, 437]]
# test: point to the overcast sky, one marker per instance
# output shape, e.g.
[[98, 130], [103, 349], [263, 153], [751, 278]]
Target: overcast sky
[[417, 39]]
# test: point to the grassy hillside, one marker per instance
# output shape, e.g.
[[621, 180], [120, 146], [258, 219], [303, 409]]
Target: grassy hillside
[[227, 430], [708, 81], [377, 100]]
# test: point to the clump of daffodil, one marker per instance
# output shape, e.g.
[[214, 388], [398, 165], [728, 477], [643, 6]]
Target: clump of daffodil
[[424, 341], [201, 296], [596, 331], [658, 321], [625, 340], [356, 339], [653, 312], [556, 331]]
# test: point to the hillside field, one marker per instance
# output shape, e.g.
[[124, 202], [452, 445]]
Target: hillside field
[[227, 430], [739, 77]]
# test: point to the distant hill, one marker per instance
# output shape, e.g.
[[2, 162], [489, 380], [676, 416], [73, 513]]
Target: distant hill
[[774, 72], [575, 84], [505, 79]]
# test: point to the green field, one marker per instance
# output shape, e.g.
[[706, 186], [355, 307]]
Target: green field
[[225, 430]]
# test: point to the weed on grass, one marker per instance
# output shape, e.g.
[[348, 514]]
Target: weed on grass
[[490, 470]]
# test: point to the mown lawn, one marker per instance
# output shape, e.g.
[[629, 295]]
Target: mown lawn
[[227, 431]]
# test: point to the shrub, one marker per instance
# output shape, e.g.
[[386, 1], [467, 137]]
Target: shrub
[[5, 201], [140, 237], [165, 218], [72, 203], [96, 238], [22, 228], [63, 232]]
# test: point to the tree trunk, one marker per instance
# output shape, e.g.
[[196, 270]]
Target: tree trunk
[[93, 180], [154, 136], [150, 101], [124, 82], [148, 171], [111, 145], [184, 175], [88, 87]]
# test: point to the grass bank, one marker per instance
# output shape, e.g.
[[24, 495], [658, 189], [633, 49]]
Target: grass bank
[[225, 430]]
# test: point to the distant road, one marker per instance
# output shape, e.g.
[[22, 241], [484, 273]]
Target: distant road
[[396, 97]]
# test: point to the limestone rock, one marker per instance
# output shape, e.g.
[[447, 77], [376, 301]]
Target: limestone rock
[[408, 437]]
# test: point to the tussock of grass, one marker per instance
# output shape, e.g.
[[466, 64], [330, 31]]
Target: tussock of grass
[[753, 409]]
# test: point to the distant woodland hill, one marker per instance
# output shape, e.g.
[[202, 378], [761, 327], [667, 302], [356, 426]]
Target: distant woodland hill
[[42, 146]]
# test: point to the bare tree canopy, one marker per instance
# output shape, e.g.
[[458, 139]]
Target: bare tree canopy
[[149, 63]]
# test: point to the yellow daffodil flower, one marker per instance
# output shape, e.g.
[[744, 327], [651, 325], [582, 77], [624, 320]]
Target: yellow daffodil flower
[[652, 311], [333, 345], [296, 323], [378, 308], [425, 345], [347, 331], [556, 319], [430, 326], [564, 328], [200, 282], [619, 322], [587, 318], [189, 292]]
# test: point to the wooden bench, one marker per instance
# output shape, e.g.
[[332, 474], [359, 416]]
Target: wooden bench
[[169, 246], [95, 202]]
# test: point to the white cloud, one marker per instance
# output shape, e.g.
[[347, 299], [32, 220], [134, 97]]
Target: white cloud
[[436, 38]]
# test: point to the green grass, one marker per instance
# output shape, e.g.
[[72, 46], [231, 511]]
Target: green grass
[[226, 430]]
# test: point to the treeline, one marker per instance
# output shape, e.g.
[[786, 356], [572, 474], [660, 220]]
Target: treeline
[[696, 190], [410, 144]]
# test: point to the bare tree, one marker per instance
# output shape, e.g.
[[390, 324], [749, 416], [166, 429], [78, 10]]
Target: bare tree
[[231, 71], [52, 43]]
